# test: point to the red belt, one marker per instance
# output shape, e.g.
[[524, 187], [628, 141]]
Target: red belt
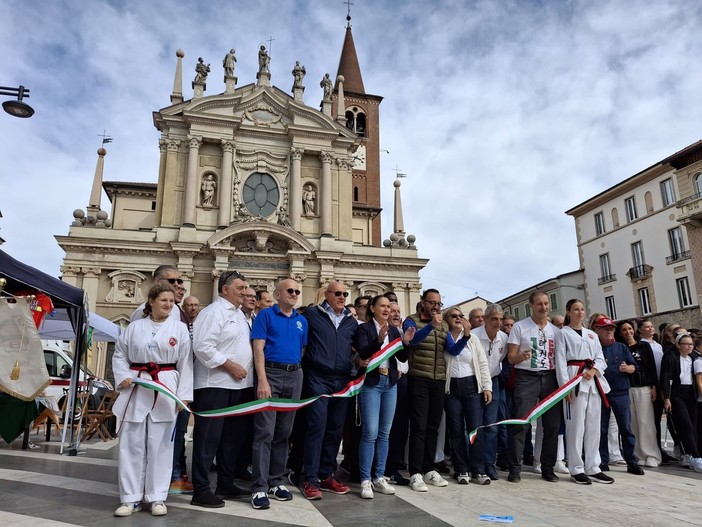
[[589, 364], [152, 368]]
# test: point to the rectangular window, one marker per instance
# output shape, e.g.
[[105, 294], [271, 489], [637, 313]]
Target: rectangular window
[[527, 310], [599, 224], [644, 301], [554, 302], [516, 314], [610, 307], [605, 270], [684, 295], [631, 214], [667, 192], [637, 255], [677, 247]]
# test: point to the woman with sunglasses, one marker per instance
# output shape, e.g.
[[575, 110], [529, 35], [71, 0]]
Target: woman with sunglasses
[[678, 372], [378, 396], [468, 390], [641, 394]]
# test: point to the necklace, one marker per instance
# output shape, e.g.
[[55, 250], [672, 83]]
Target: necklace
[[162, 319]]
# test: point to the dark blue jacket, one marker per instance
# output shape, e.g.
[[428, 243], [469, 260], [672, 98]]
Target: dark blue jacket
[[329, 350], [615, 354], [366, 344]]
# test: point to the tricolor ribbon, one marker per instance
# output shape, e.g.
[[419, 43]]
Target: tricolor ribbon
[[275, 404], [540, 409]]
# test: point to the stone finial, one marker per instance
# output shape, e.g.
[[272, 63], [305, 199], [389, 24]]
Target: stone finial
[[177, 95]]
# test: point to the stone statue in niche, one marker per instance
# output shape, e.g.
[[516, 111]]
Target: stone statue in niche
[[207, 190], [309, 200], [263, 59], [298, 74], [283, 217], [229, 63], [126, 287], [327, 85], [201, 71]]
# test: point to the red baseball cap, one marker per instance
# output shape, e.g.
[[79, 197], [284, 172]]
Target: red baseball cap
[[603, 322]]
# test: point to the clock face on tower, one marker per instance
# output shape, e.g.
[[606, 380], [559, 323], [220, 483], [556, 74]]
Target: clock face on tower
[[260, 194], [359, 158]]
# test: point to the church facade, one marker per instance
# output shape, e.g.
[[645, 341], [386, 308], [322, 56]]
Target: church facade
[[251, 179]]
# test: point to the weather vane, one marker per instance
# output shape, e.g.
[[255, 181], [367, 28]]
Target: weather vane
[[105, 138], [398, 172], [348, 3]]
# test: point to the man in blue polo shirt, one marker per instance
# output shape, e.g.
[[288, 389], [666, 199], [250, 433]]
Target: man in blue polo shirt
[[279, 337]]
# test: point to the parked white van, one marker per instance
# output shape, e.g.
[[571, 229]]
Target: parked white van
[[59, 364]]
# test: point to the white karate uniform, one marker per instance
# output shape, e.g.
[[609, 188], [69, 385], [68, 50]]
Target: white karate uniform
[[582, 416], [148, 420]]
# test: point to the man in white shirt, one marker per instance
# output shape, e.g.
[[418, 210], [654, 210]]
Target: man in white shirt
[[167, 274], [532, 347], [494, 343], [223, 376]]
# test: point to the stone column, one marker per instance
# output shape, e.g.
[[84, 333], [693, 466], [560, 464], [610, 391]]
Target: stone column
[[325, 200], [91, 282], [191, 182], [294, 187], [225, 185]]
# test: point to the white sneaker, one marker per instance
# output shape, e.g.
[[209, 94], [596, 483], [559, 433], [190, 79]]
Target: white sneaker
[[126, 509], [417, 483], [381, 485], [366, 489], [434, 478], [158, 508], [696, 464], [685, 460], [480, 479], [537, 468], [560, 468], [463, 478]]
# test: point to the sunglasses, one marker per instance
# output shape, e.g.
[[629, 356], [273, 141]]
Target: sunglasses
[[172, 281], [292, 291], [455, 315], [345, 294]]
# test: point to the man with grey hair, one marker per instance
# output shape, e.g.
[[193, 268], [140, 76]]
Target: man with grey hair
[[223, 377], [494, 343], [476, 317]]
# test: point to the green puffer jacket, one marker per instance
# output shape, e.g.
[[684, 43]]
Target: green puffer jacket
[[426, 359]]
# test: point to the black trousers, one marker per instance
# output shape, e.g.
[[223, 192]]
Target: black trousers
[[426, 399], [224, 437]]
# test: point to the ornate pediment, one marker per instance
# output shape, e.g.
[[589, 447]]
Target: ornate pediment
[[260, 237]]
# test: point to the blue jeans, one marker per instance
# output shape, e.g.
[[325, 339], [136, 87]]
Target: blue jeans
[[619, 403], [377, 410], [489, 438], [464, 413]]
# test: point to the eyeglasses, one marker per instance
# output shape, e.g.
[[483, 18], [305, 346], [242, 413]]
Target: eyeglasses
[[434, 303], [456, 315], [345, 294], [227, 275], [292, 291], [173, 281]]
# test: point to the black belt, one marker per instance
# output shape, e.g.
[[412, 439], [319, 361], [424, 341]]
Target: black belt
[[282, 366]]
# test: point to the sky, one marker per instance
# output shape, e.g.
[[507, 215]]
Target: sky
[[503, 114]]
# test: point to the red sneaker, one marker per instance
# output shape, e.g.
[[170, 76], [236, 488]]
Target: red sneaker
[[311, 491], [331, 484], [186, 485]]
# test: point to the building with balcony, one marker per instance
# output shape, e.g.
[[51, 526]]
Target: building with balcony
[[559, 289], [635, 254]]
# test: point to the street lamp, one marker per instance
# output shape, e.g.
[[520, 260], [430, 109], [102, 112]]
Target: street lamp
[[17, 108]]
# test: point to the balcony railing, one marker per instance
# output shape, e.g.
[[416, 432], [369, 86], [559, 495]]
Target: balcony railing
[[684, 255], [639, 272], [690, 210], [607, 278]]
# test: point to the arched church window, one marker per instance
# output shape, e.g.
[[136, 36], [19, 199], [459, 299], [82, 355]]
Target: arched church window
[[361, 124], [261, 194], [698, 184], [350, 120]]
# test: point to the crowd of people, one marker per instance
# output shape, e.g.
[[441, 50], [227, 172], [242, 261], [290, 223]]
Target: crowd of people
[[453, 374]]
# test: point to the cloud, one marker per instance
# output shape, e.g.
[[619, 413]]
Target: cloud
[[503, 114]]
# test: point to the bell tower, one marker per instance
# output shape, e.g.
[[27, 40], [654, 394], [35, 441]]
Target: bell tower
[[361, 115]]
